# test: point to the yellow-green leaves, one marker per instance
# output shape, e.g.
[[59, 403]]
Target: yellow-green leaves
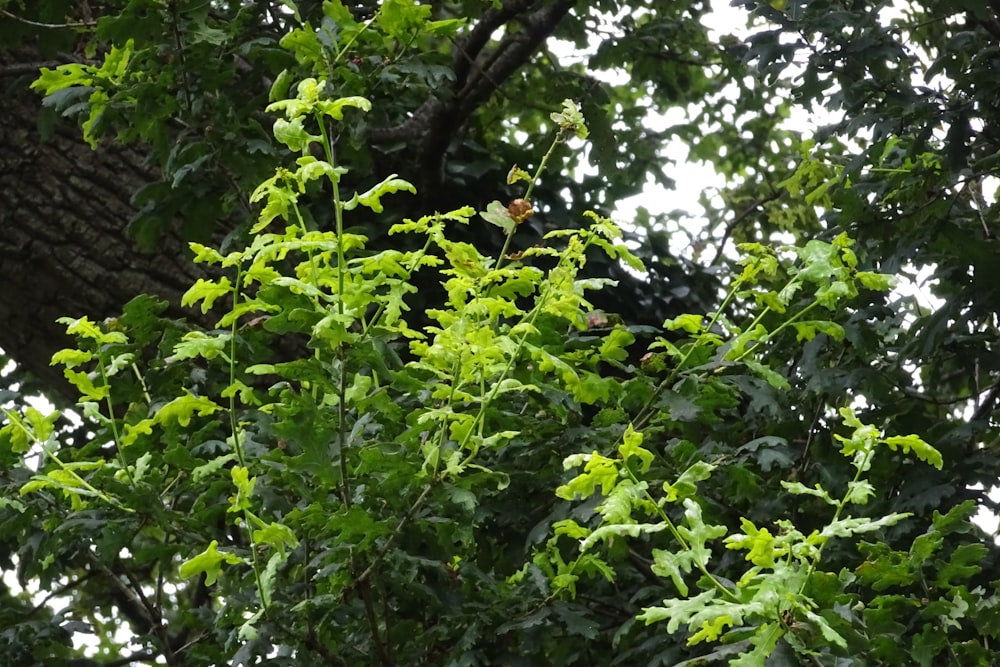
[[915, 444], [183, 408], [598, 472], [772, 593], [372, 198], [209, 562], [85, 329], [207, 292], [23, 432], [310, 101], [862, 442], [632, 446], [570, 120], [108, 75], [244, 483]]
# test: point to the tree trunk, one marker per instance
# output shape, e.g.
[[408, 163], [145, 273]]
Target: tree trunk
[[64, 246]]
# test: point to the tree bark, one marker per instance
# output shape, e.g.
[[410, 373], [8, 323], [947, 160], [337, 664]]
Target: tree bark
[[64, 246]]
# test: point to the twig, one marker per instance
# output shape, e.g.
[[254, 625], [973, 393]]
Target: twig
[[141, 656], [62, 590], [17, 69], [735, 222], [395, 533], [984, 408], [51, 26]]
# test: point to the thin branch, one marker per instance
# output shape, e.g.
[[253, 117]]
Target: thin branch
[[62, 590], [141, 656], [17, 69], [48, 26], [735, 222], [392, 538], [674, 57], [976, 193], [933, 400], [136, 607], [983, 409]]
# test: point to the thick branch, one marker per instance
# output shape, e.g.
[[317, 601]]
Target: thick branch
[[477, 73], [512, 53]]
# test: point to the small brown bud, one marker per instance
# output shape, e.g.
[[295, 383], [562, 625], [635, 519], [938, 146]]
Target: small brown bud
[[519, 210], [596, 319]]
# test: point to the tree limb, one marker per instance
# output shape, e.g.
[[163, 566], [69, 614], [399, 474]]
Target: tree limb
[[50, 26], [477, 75]]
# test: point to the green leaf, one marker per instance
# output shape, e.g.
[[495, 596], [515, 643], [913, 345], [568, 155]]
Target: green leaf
[[710, 629], [198, 344], [673, 565], [131, 432], [921, 449], [244, 484], [83, 328], [875, 281], [807, 330], [282, 84], [209, 562], [42, 425], [85, 386], [517, 174], [373, 197], [497, 214], [608, 531], [686, 485], [632, 446], [759, 544], [962, 564], [311, 169], [859, 492], [690, 323], [400, 18], [280, 201], [64, 76], [293, 134], [800, 489], [71, 358], [211, 467], [335, 108], [276, 535], [570, 119], [183, 408], [773, 378], [598, 471], [206, 291]]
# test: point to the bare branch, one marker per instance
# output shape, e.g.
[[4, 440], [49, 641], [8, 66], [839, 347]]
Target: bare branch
[[50, 26], [17, 69], [510, 55], [478, 75], [735, 222]]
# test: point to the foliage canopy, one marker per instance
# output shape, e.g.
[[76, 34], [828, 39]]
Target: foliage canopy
[[395, 429]]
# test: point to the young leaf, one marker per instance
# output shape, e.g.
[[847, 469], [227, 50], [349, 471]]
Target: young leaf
[[210, 562], [497, 214]]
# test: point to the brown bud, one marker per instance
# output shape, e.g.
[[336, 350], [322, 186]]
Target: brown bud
[[519, 210], [596, 319]]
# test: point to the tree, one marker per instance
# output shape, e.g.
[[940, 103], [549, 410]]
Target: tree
[[212, 455]]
